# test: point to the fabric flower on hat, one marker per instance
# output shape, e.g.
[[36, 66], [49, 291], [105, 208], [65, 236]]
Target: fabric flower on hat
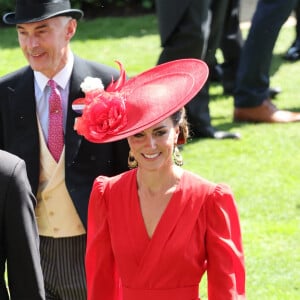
[[90, 84], [103, 111]]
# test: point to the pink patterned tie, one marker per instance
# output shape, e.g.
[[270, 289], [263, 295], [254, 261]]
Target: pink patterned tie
[[55, 129]]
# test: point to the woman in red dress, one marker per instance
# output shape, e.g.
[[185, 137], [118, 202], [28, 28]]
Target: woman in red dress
[[155, 230]]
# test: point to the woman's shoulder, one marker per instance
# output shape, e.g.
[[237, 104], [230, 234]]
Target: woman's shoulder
[[197, 184], [195, 181], [115, 181]]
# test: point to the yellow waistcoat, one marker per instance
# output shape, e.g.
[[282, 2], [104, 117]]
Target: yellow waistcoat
[[55, 212]]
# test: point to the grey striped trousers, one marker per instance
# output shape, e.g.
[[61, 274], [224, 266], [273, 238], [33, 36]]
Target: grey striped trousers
[[62, 261]]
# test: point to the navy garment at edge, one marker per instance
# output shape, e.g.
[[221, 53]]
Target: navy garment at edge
[[253, 72]]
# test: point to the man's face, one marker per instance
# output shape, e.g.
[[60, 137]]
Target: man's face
[[45, 44]]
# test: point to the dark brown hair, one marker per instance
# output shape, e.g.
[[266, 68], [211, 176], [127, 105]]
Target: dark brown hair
[[179, 118]]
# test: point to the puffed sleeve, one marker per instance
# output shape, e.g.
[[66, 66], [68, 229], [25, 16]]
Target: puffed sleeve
[[102, 279], [225, 257]]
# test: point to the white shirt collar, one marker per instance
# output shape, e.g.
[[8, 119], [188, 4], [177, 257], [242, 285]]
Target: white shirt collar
[[61, 78]]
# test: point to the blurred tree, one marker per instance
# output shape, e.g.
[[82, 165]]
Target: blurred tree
[[95, 8]]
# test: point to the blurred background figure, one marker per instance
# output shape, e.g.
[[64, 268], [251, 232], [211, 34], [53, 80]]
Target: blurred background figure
[[185, 30], [293, 53], [231, 45], [252, 100]]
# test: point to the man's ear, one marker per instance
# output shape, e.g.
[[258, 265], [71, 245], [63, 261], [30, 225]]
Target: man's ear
[[71, 28]]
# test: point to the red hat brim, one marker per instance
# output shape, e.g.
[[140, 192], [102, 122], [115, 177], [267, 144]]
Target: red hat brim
[[157, 93]]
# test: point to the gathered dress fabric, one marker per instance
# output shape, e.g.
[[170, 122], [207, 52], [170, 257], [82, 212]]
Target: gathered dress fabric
[[198, 232]]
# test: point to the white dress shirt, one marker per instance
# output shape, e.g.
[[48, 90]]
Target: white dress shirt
[[42, 93]]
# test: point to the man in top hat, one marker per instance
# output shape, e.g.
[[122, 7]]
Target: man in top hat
[[37, 122]]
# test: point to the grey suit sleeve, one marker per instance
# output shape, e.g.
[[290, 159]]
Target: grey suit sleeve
[[21, 238]]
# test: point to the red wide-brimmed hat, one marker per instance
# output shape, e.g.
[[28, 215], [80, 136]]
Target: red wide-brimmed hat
[[128, 107]]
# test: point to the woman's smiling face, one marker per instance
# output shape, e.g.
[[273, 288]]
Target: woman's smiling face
[[153, 147]]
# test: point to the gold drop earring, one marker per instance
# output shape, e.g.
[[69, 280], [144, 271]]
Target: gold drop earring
[[178, 160], [132, 163]]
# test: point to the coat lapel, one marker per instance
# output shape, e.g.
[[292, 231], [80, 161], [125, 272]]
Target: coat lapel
[[72, 139], [24, 106], [22, 103]]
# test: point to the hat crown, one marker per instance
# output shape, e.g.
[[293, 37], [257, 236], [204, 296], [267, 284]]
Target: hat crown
[[36, 10], [40, 2]]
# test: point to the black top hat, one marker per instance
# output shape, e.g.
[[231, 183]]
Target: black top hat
[[29, 11]]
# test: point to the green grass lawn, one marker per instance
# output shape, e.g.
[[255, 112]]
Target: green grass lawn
[[263, 168]]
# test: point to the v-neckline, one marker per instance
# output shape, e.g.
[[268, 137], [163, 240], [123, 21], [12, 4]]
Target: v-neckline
[[166, 212]]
